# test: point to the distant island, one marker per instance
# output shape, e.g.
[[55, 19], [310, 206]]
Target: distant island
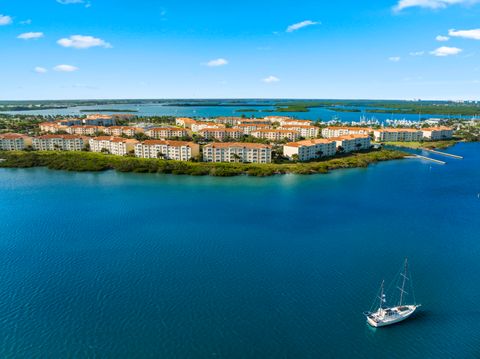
[[107, 110]]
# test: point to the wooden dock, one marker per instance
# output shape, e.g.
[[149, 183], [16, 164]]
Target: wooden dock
[[443, 153]]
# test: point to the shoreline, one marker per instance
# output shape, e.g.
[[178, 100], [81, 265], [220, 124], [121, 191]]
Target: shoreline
[[96, 162]]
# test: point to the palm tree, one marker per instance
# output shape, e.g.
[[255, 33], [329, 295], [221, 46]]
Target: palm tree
[[319, 153], [236, 157], [358, 145]]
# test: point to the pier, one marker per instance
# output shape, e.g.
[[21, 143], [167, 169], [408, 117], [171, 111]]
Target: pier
[[443, 153], [429, 159]]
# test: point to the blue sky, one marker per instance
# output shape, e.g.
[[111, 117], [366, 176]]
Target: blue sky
[[382, 49]]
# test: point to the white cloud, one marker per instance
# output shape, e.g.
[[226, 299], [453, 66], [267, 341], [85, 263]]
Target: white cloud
[[394, 58], [83, 42], [30, 35], [68, 2], [466, 34], [300, 25], [442, 38], [417, 53], [65, 68], [446, 51], [217, 62], [26, 22], [40, 70], [271, 79], [431, 4], [5, 20]]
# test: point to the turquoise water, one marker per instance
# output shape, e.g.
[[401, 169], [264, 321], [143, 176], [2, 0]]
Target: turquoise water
[[124, 265], [316, 113]]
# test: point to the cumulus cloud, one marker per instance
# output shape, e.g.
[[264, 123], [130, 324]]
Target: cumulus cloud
[[65, 68], [40, 70], [431, 4], [466, 34], [417, 53], [69, 2], [217, 62], [30, 35], [26, 22], [394, 58], [271, 79], [83, 42], [5, 20], [442, 38], [300, 25], [446, 51]]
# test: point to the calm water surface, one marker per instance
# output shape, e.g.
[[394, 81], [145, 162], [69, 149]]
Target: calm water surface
[[123, 265]]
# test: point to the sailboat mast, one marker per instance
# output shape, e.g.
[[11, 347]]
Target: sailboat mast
[[382, 295], [404, 275]]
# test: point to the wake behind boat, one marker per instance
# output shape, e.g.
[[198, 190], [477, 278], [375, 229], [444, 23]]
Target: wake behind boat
[[384, 316]]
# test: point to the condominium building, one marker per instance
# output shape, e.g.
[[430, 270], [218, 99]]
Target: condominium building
[[295, 122], [114, 145], [351, 143], [237, 152], [254, 121], [85, 130], [398, 135], [163, 133], [329, 132], [310, 149], [278, 119], [437, 133], [231, 121], [52, 127], [185, 122], [169, 150], [221, 134], [14, 142], [200, 125], [248, 128], [276, 135], [122, 130], [99, 120], [69, 122], [305, 131], [59, 143]]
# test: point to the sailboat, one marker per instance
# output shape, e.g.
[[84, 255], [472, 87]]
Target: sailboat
[[385, 315]]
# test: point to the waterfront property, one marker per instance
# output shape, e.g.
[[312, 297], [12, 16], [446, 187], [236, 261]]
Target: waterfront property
[[310, 149], [185, 122], [231, 121], [14, 142], [52, 127], [200, 125], [87, 130], [330, 132], [169, 150], [276, 135], [69, 122], [100, 120], [351, 143], [114, 145], [398, 135], [437, 133], [237, 152], [56, 142], [304, 130], [248, 128], [122, 130], [221, 134], [164, 133]]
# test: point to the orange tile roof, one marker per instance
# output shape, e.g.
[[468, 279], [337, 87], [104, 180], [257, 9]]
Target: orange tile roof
[[349, 137], [64, 137], [316, 141], [238, 144], [11, 136], [169, 143], [440, 128], [333, 128]]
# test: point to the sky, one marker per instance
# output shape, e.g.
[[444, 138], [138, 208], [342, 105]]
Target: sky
[[345, 49]]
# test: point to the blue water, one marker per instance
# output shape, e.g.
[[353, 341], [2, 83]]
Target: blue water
[[316, 113], [125, 265]]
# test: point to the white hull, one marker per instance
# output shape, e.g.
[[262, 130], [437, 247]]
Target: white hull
[[389, 316]]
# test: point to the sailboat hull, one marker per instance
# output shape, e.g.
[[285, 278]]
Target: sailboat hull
[[390, 316]]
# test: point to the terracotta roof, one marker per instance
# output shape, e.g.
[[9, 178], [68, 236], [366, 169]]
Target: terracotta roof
[[276, 131], [317, 141], [333, 128], [169, 143], [237, 144], [64, 137], [349, 137], [11, 136], [440, 128], [159, 129], [114, 139], [398, 130]]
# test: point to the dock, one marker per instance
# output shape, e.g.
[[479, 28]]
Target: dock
[[430, 159], [443, 153]]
